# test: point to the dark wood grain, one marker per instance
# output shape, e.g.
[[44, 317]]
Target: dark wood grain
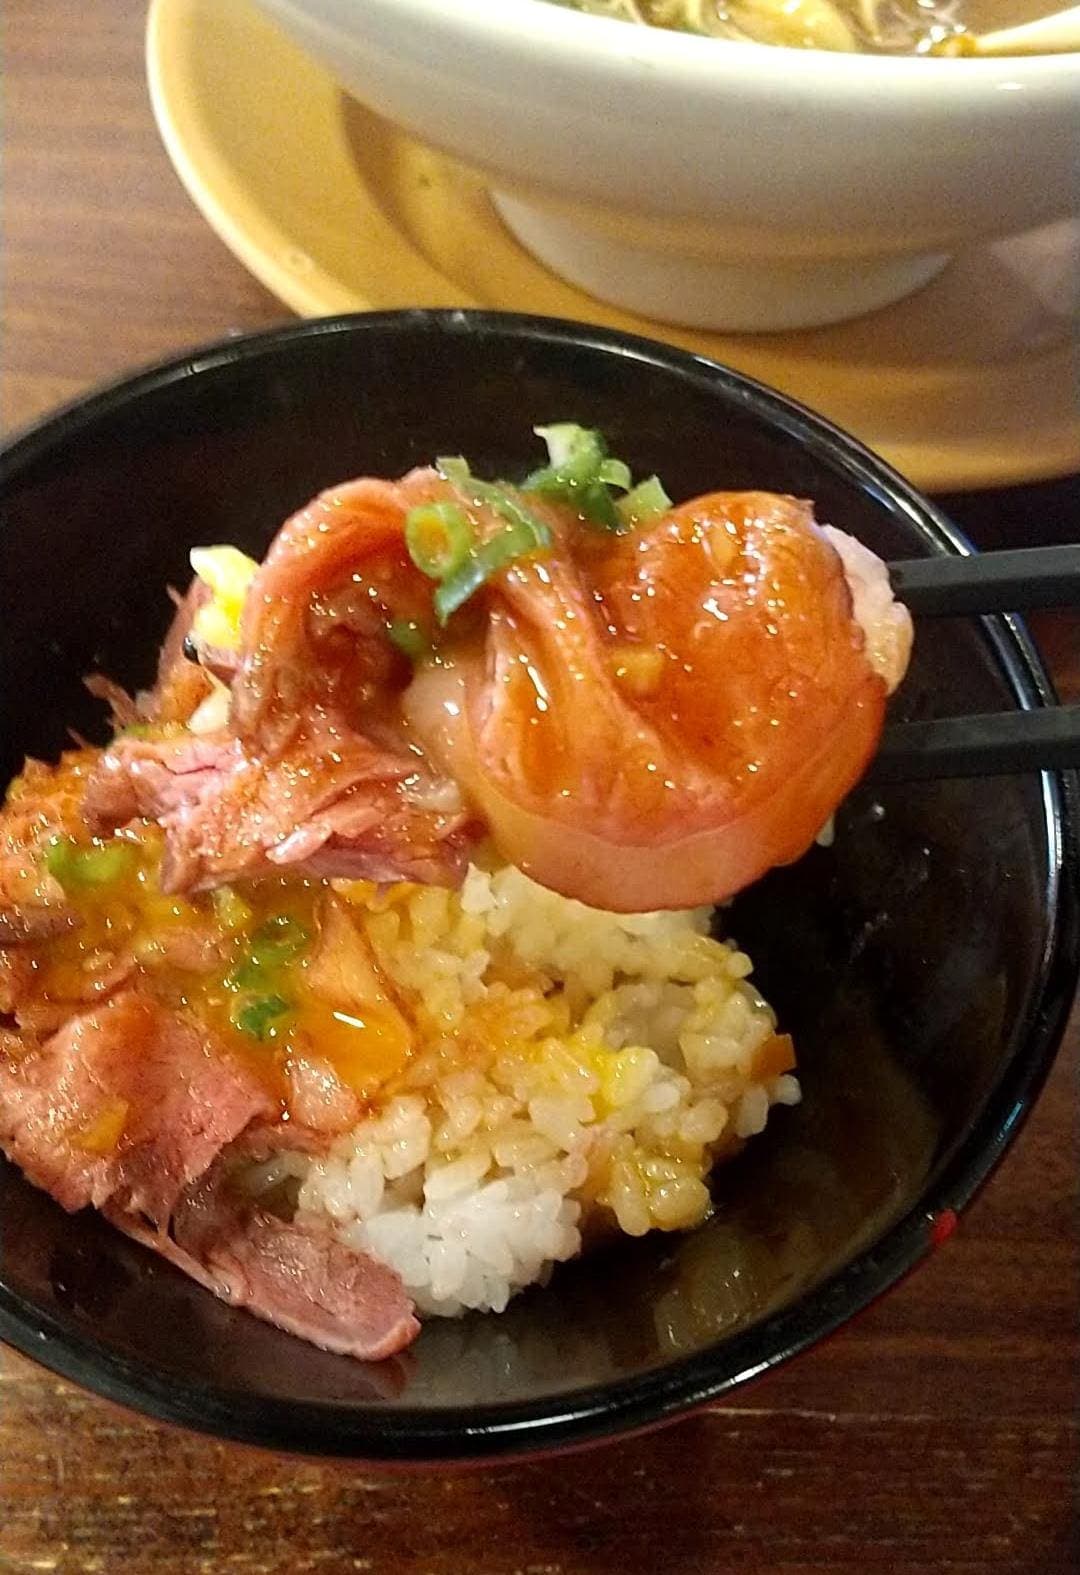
[[937, 1433]]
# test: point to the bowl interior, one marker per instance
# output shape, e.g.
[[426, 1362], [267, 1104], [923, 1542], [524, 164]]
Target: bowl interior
[[907, 959]]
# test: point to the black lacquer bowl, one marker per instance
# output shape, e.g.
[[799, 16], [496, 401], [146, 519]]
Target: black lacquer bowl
[[925, 962]]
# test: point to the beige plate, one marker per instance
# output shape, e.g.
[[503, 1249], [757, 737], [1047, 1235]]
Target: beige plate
[[971, 383]]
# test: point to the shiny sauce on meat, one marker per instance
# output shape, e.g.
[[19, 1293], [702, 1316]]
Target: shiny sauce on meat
[[275, 969]]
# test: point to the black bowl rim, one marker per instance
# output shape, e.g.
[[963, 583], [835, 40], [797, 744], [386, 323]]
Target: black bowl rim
[[429, 1435]]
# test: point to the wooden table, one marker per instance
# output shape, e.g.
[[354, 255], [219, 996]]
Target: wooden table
[[938, 1433]]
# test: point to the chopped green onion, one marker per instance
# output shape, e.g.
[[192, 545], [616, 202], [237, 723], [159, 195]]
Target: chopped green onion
[[456, 470], [409, 637], [523, 534], [453, 468], [59, 856], [260, 1018], [647, 501], [596, 504], [580, 473], [615, 473], [438, 536], [591, 500], [279, 940], [530, 526], [520, 537], [76, 867], [562, 439], [455, 591], [271, 946], [576, 453]]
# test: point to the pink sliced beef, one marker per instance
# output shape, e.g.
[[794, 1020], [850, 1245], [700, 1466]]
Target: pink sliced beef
[[132, 1109], [295, 1275], [125, 1106], [333, 804]]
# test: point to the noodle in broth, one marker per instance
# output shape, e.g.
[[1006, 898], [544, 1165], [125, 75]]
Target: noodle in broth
[[860, 26]]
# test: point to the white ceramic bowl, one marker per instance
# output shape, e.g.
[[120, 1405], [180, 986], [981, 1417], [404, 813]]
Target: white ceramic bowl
[[709, 183]]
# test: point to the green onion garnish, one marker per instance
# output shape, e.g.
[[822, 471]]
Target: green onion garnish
[[438, 536], [576, 453], [261, 1018], [592, 500], [409, 637], [455, 592], [530, 526], [520, 537], [278, 940], [271, 946], [453, 468], [523, 534], [581, 473], [614, 473], [647, 501], [496, 495], [76, 867]]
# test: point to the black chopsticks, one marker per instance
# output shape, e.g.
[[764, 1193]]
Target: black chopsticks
[[996, 743], [1016, 581]]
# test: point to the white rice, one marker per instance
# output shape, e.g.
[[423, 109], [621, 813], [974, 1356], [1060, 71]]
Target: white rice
[[576, 1072]]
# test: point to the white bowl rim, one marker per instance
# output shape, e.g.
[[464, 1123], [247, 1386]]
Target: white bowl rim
[[607, 43]]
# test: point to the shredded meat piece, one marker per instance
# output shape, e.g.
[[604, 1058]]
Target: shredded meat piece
[[124, 711], [332, 804]]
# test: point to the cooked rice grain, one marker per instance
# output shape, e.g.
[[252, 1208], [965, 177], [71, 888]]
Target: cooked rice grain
[[576, 1071]]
